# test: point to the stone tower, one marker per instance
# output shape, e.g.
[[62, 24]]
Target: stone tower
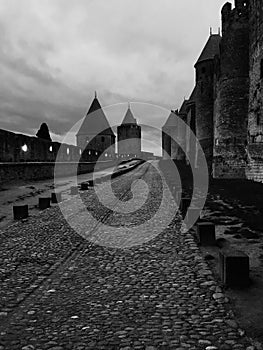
[[95, 134], [204, 96], [255, 112], [169, 129], [191, 146], [173, 135], [129, 136], [255, 116], [232, 87]]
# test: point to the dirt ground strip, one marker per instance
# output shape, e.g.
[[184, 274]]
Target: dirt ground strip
[[235, 207]]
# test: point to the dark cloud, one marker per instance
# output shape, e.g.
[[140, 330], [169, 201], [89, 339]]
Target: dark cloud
[[55, 53]]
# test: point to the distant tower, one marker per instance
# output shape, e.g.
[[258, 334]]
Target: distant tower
[[191, 145], [129, 136], [173, 135], [204, 96], [232, 90], [168, 129], [95, 134]]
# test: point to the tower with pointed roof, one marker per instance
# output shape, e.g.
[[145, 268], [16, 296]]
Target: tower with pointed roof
[[191, 146], [129, 136], [173, 135], [168, 128], [95, 135]]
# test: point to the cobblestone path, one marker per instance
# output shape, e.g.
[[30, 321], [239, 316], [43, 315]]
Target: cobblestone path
[[61, 291]]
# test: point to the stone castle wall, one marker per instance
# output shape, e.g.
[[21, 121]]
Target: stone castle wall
[[22, 148], [129, 140], [255, 113], [227, 105], [24, 157], [97, 143], [231, 94], [255, 116], [45, 170], [166, 145], [204, 106]]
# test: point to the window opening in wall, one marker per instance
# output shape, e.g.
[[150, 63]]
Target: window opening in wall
[[50, 149], [24, 148], [67, 151]]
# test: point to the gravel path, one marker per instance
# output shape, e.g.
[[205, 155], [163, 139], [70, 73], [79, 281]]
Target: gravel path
[[61, 291]]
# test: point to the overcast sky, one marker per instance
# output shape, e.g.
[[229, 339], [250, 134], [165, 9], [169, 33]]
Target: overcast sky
[[55, 53]]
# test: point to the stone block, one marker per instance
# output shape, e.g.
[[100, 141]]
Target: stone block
[[206, 233], [84, 186], [234, 268], [44, 202], [105, 178], [56, 197], [20, 211]]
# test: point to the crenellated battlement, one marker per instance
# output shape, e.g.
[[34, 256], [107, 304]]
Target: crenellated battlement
[[232, 16]]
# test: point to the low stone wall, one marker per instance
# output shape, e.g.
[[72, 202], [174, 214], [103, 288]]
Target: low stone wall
[[229, 168], [44, 170], [254, 169]]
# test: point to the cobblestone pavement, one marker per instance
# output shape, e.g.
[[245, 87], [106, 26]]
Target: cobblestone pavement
[[61, 291]]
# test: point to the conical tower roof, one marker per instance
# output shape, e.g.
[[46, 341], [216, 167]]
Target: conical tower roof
[[211, 48], [193, 95], [129, 117], [171, 121], [182, 110], [95, 121]]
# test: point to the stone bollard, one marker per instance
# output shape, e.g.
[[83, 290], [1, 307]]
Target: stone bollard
[[74, 190], [98, 180], [206, 233], [84, 186], [90, 183], [56, 197], [234, 268], [44, 203], [184, 205], [20, 211]]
